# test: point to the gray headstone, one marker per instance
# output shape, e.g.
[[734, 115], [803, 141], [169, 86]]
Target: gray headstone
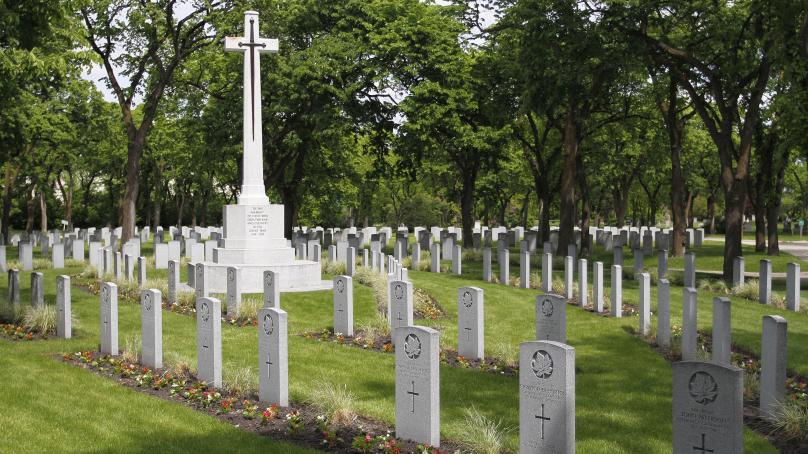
[[547, 272], [315, 254], [773, 362], [617, 291], [173, 280], [332, 253], [141, 271], [583, 286], [3, 262], [416, 255], [273, 383], [233, 291], [707, 408], [551, 318], [664, 313], [401, 302], [546, 397], [58, 256], [457, 258], [272, 289], [118, 266], [504, 261], [343, 305], [662, 263], [765, 283], [64, 323], [722, 334], [350, 262], [174, 250], [617, 256], [200, 280], [37, 290], [638, 261], [470, 322], [793, 287], [161, 256], [690, 270], [151, 328], [597, 287], [737, 271], [78, 250], [209, 340], [487, 264], [645, 304], [26, 255], [14, 286], [569, 276], [435, 253], [524, 267], [689, 326], [109, 319], [417, 384]]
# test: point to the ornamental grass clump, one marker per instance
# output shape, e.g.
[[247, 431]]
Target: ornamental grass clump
[[334, 268], [42, 264], [748, 290], [482, 435], [241, 381], [505, 352], [72, 263], [791, 421], [131, 349], [250, 305], [41, 320], [335, 401], [377, 283]]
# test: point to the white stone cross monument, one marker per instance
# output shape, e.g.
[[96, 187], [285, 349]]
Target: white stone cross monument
[[252, 187], [253, 235]]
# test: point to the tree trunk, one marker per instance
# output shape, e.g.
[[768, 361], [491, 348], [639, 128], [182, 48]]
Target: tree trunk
[[711, 213], [29, 203], [567, 208], [137, 142], [774, 203], [157, 203], [620, 207], [467, 205], [760, 224], [586, 208], [43, 212], [10, 175], [735, 197], [193, 211], [525, 209], [180, 208]]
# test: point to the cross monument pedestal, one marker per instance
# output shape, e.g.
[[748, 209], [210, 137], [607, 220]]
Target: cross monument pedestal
[[253, 238]]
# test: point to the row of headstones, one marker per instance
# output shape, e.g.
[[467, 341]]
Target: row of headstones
[[64, 327]]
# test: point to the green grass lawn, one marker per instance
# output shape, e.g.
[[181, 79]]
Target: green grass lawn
[[623, 401]]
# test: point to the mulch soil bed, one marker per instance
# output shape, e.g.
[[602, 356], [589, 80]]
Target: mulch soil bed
[[299, 423]]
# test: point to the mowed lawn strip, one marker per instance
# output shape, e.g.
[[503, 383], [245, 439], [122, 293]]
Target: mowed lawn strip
[[623, 386]]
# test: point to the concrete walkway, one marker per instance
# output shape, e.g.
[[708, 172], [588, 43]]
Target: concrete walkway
[[798, 249]]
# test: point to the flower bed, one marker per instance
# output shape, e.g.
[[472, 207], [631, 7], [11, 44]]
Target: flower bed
[[299, 424], [384, 344]]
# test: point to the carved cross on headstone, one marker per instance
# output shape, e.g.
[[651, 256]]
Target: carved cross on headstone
[[205, 342], [468, 333], [542, 418], [703, 447], [268, 363], [413, 394], [399, 316]]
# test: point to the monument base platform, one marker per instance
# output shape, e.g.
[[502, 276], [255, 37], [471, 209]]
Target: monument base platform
[[297, 276]]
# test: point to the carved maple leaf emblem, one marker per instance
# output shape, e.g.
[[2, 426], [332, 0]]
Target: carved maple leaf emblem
[[542, 364], [703, 388]]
